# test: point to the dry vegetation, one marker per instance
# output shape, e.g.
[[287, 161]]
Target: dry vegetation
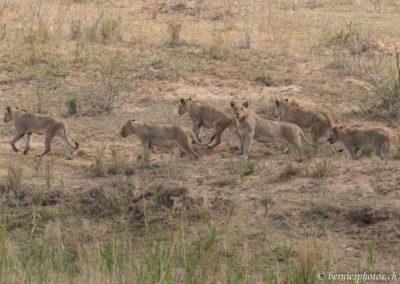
[[108, 217]]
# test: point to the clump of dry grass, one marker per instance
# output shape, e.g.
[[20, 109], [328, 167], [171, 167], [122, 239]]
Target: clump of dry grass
[[119, 163], [324, 208], [98, 166], [323, 167], [76, 29], [289, 171], [13, 180], [174, 29], [218, 48]]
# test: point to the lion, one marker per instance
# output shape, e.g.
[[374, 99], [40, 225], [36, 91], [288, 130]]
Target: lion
[[151, 134], [357, 139], [27, 123], [319, 123], [204, 115], [253, 127]]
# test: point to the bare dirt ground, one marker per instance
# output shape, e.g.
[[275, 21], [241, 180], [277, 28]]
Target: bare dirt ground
[[110, 217]]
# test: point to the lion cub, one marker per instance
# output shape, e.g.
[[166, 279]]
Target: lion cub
[[203, 115], [252, 127], [161, 135], [319, 123], [27, 123], [356, 139]]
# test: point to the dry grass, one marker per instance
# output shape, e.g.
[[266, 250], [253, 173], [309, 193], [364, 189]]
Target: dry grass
[[108, 217]]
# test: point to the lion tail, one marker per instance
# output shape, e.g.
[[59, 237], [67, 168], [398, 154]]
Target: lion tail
[[304, 137]]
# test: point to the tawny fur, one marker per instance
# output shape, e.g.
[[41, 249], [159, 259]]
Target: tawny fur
[[252, 127], [27, 123], [320, 124], [151, 134], [355, 139], [207, 116]]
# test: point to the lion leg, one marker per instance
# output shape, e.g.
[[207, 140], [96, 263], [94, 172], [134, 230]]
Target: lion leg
[[353, 153], [175, 153], [47, 144], [217, 137], [146, 150], [17, 137], [197, 131], [188, 149], [28, 143], [241, 142], [383, 151], [70, 149], [295, 149], [315, 135], [247, 142]]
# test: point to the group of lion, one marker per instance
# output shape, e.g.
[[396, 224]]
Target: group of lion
[[290, 120]]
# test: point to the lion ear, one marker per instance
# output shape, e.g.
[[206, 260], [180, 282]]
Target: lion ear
[[8, 109], [246, 104], [233, 104]]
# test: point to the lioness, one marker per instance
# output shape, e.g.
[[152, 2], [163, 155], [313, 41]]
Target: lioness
[[251, 126], [355, 139], [27, 123], [161, 135], [319, 123], [203, 115]]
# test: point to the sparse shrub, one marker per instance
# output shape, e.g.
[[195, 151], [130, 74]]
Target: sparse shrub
[[350, 49], [289, 171], [324, 208], [174, 30], [306, 271], [245, 43], [76, 30], [13, 181], [111, 29], [93, 29], [311, 150], [349, 38], [227, 181], [48, 176], [264, 79], [119, 164], [99, 169], [217, 49], [385, 101], [389, 93], [107, 93], [323, 168], [41, 98], [267, 203], [72, 106], [248, 168]]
